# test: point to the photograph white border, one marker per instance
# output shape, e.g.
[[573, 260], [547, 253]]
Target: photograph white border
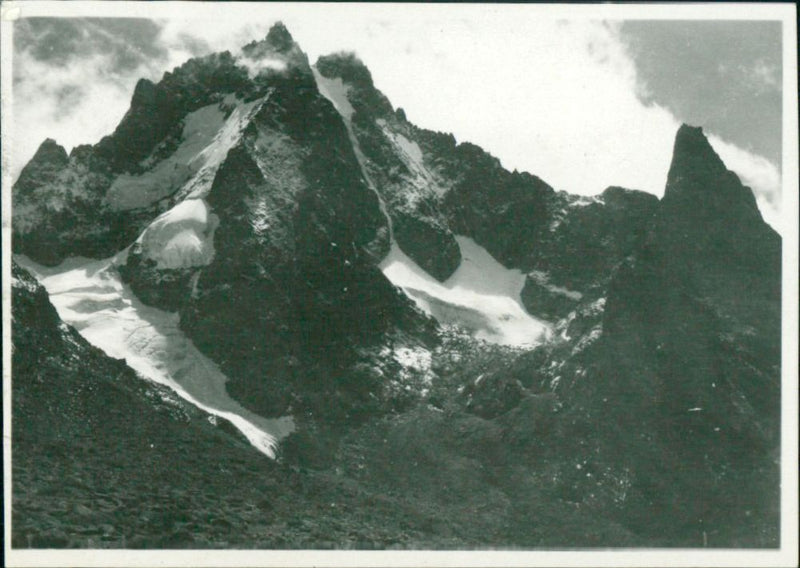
[[787, 555]]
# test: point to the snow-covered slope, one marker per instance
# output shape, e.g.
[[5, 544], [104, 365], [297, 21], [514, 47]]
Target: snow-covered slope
[[182, 237], [482, 295], [207, 136], [89, 295]]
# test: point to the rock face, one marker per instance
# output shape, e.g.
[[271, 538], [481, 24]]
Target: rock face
[[293, 288], [683, 393], [398, 166], [576, 256], [435, 188], [62, 208]]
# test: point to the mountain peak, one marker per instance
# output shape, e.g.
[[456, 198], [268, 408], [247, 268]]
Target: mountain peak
[[48, 160], [279, 37], [695, 165], [347, 66], [277, 41], [51, 151], [692, 141], [698, 174]]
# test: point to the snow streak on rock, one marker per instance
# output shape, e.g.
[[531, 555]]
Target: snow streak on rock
[[336, 92], [89, 295], [411, 154], [482, 296], [205, 140]]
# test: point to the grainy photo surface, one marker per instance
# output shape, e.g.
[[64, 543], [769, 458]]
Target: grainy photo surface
[[359, 277]]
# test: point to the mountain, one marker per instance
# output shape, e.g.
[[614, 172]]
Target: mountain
[[677, 397], [396, 318]]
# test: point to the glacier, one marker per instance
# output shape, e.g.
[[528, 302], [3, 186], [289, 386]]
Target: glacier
[[89, 295], [482, 296]]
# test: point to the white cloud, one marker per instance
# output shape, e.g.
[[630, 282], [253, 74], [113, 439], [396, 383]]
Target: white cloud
[[756, 172], [555, 98], [764, 77], [44, 107]]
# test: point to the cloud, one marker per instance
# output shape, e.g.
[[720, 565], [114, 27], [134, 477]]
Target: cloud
[[764, 76], [761, 175], [555, 98], [73, 78], [724, 75], [74, 103]]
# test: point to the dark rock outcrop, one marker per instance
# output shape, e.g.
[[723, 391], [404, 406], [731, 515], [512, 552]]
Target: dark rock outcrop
[[684, 389], [398, 167], [293, 295]]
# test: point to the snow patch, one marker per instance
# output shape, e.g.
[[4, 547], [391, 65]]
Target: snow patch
[[336, 92], [89, 295], [585, 200], [226, 138], [183, 237], [411, 155], [482, 295], [543, 280], [414, 361], [206, 139]]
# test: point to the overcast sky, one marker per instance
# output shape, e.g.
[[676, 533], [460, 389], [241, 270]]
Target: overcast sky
[[584, 104]]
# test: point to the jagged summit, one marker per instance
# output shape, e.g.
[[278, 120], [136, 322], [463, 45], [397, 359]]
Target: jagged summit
[[50, 150], [347, 66], [279, 37], [697, 172], [278, 42]]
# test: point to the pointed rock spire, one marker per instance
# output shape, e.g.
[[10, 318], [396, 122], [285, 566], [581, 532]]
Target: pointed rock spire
[[277, 41], [280, 38], [698, 174], [45, 165], [277, 51]]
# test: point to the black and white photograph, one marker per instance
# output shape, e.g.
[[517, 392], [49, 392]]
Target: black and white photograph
[[399, 284]]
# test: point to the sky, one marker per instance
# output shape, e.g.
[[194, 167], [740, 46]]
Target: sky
[[583, 104]]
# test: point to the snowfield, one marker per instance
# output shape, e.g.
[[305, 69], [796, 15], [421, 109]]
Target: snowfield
[[336, 92], [482, 295], [205, 141], [182, 237], [89, 295]]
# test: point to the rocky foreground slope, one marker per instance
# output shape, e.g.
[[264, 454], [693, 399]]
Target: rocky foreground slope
[[259, 198]]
